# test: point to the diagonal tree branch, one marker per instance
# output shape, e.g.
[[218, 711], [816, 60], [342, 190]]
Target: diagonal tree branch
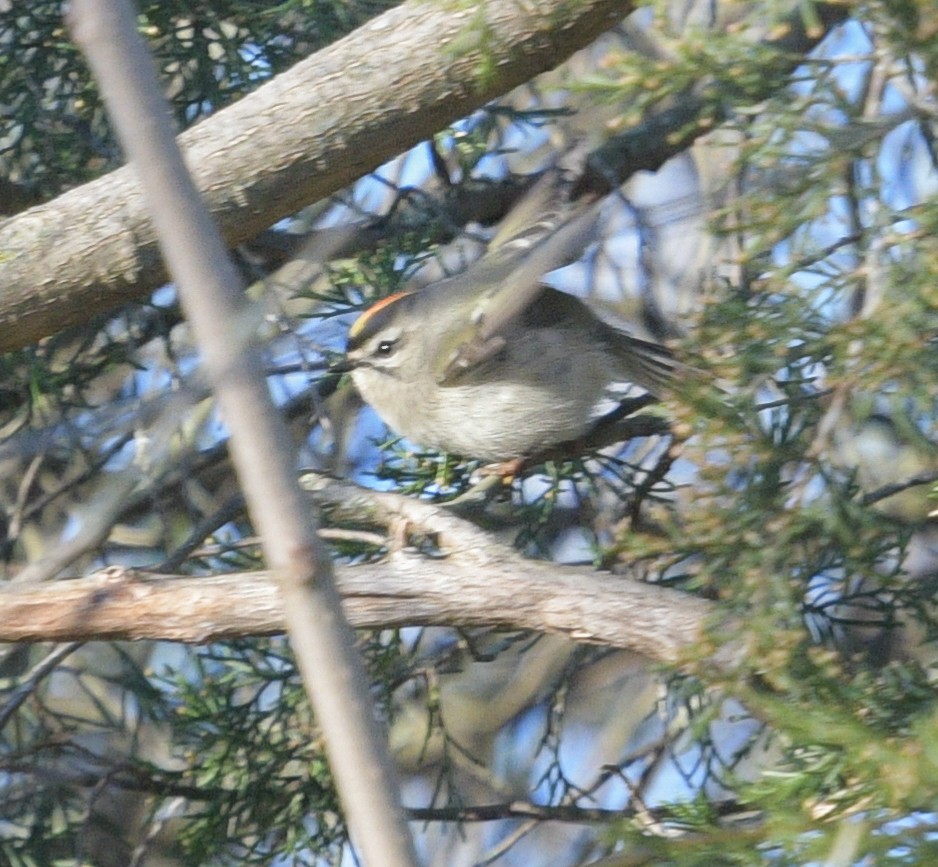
[[668, 132], [273, 152], [302, 136], [323, 643]]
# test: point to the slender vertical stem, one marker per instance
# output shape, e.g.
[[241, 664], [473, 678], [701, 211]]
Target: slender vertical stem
[[223, 325]]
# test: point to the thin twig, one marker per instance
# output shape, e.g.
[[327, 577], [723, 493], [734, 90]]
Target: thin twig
[[27, 686]]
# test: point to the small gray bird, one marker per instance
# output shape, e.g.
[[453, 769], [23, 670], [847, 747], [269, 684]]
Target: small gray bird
[[548, 377]]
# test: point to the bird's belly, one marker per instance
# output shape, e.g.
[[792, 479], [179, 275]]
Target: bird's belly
[[501, 422]]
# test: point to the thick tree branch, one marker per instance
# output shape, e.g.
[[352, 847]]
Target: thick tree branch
[[491, 587], [314, 129], [305, 134]]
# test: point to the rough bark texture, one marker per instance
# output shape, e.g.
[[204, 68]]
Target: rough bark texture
[[404, 590], [303, 135]]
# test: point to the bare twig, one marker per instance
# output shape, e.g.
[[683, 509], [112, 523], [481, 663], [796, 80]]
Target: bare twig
[[886, 491], [555, 813], [27, 686], [99, 516]]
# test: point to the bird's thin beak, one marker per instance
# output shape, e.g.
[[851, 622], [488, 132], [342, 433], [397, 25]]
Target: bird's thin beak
[[329, 383], [341, 365]]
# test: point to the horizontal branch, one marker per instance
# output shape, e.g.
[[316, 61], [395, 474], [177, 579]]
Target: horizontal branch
[[471, 580], [405, 589], [519, 810], [724, 809]]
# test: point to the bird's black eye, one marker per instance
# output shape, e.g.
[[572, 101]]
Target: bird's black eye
[[385, 348]]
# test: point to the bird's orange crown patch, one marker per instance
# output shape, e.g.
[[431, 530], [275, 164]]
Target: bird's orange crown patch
[[360, 324]]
